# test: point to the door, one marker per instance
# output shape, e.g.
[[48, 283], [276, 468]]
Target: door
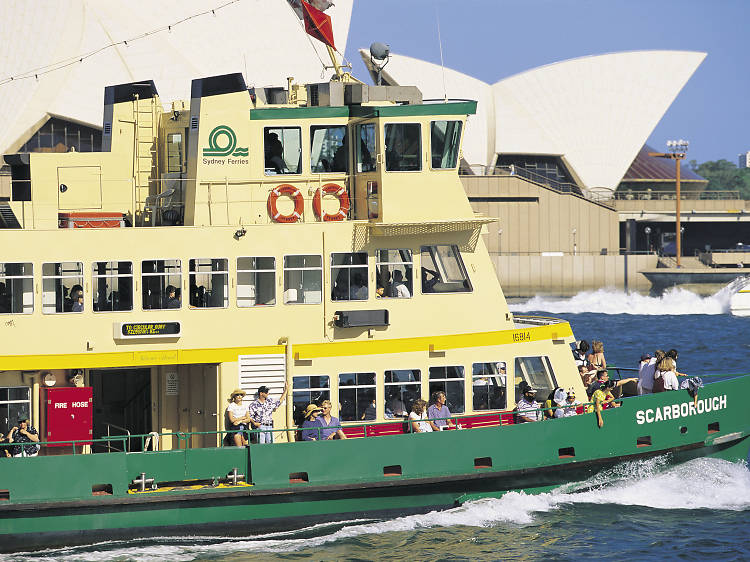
[[122, 404], [79, 187]]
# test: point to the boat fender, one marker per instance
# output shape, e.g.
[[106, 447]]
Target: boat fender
[[290, 191], [340, 193]]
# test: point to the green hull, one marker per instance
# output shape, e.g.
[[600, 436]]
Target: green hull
[[51, 500]]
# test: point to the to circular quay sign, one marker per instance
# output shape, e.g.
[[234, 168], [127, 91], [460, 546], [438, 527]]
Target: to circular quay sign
[[129, 330]]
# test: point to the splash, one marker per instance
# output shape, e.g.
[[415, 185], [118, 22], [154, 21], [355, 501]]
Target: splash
[[674, 301], [698, 484]]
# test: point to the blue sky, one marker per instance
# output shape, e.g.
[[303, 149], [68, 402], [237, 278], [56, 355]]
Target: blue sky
[[492, 39]]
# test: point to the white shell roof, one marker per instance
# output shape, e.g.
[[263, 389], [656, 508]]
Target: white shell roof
[[262, 39], [596, 111]]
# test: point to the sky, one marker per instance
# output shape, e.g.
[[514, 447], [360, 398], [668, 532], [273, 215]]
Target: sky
[[494, 39]]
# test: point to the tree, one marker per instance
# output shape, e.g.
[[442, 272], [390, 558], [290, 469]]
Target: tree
[[723, 175]]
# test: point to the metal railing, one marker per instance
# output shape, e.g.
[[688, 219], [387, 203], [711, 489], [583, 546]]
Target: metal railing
[[654, 195], [109, 438]]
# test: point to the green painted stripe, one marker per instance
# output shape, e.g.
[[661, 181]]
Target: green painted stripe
[[298, 113], [415, 110]]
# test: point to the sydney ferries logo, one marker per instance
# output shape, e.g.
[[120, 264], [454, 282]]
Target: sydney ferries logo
[[222, 143]]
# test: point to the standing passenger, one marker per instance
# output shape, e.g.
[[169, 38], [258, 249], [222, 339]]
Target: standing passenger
[[596, 357], [28, 437], [646, 369], [237, 417], [261, 412]]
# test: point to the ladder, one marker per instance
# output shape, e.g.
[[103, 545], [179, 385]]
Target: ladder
[[146, 155]]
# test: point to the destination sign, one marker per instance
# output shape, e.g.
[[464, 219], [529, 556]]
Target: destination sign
[[147, 330]]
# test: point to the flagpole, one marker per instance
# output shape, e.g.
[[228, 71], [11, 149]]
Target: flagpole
[[336, 65]]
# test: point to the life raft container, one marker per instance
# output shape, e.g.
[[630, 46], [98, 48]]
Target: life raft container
[[294, 193], [341, 195]]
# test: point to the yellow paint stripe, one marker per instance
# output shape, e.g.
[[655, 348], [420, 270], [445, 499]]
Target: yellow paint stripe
[[301, 351]]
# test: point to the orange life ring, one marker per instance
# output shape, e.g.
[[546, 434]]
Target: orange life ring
[[341, 195], [294, 193]]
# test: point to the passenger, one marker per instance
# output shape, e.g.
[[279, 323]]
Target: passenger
[[237, 417], [579, 353], [527, 408], [395, 407], [4, 301], [602, 399], [274, 154], [646, 369], [596, 357], [309, 431], [27, 437], [418, 416], [602, 380], [330, 424], [439, 412], [428, 285], [4, 447], [665, 377], [571, 404], [171, 300], [341, 156], [78, 303], [370, 412], [692, 385], [560, 400], [358, 289], [587, 375], [399, 288], [672, 353], [261, 412]]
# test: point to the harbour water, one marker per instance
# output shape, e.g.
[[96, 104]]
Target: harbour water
[[642, 510]]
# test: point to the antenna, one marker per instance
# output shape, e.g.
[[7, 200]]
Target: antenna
[[440, 42]]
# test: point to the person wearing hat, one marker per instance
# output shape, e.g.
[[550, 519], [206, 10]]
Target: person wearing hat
[[261, 412], [566, 403], [237, 417], [527, 408], [27, 438], [309, 433]]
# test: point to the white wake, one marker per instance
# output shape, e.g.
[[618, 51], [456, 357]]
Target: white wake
[[674, 301]]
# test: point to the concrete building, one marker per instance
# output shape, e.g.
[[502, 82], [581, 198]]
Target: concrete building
[[744, 160]]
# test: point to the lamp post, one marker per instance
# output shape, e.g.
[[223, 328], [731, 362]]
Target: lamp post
[[575, 248], [647, 230], [677, 150]]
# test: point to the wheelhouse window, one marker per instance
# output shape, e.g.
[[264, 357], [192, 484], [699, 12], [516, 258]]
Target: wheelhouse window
[[309, 390], [256, 281], [329, 149], [161, 281], [394, 273], [366, 147], [402, 388], [62, 287], [451, 381], [303, 279], [16, 288], [445, 138], [113, 285], [209, 283], [537, 371], [357, 396], [488, 386], [349, 276], [174, 152], [403, 147], [283, 150], [443, 270], [15, 404]]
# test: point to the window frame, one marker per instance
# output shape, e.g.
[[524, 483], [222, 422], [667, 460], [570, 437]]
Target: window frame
[[321, 126], [387, 385], [336, 270], [461, 379], [419, 148], [180, 287], [95, 276], [520, 372], [272, 129], [3, 279], [81, 276], [379, 263], [225, 273], [358, 150], [458, 148], [461, 264], [309, 389], [504, 387], [355, 387], [284, 269], [255, 271], [8, 402]]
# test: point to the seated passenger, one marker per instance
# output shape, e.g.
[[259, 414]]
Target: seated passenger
[[579, 353], [418, 416], [171, 300], [527, 408], [569, 406], [370, 412], [399, 288], [309, 431], [330, 424], [78, 302], [596, 357], [438, 413], [358, 289], [395, 407], [587, 375], [274, 153], [602, 379]]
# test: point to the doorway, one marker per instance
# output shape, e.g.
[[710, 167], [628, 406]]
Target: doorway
[[122, 403]]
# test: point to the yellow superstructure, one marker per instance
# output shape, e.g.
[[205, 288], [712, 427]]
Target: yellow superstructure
[[201, 245]]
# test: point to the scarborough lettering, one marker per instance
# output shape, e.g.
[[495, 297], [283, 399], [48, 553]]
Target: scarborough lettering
[[684, 410]]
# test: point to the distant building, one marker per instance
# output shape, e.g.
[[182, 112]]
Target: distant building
[[744, 160]]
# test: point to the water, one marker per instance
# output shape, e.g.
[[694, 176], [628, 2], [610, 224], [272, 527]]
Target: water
[[643, 510]]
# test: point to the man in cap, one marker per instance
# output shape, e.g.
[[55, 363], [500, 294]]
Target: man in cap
[[529, 410], [261, 412]]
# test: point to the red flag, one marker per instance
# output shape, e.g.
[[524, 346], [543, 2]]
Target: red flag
[[318, 24]]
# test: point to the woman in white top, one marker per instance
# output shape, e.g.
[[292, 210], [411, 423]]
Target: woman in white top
[[417, 416], [237, 417], [665, 370]]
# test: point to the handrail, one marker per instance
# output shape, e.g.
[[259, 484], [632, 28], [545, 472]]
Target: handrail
[[659, 195], [127, 431]]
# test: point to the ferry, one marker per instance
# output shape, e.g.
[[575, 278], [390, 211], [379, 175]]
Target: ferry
[[314, 239]]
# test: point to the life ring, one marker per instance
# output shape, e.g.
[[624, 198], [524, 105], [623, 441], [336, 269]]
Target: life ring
[[294, 193], [341, 195]]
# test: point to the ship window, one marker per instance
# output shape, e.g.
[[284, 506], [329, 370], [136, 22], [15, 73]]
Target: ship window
[[445, 138], [357, 396], [15, 403], [161, 282], [283, 150], [209, 283], [174, 152], [451, 381], [366, 148], [402, 388], [303, 279], [403, 147], [256, 281], [62, 285], [329, 149], [488, 386], [537, 371], [443, 270], [16, 288], [394, 273], [113, 285], [309, 390], [349, 277]]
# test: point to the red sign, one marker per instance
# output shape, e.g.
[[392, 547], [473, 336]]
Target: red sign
[[69, 415]]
